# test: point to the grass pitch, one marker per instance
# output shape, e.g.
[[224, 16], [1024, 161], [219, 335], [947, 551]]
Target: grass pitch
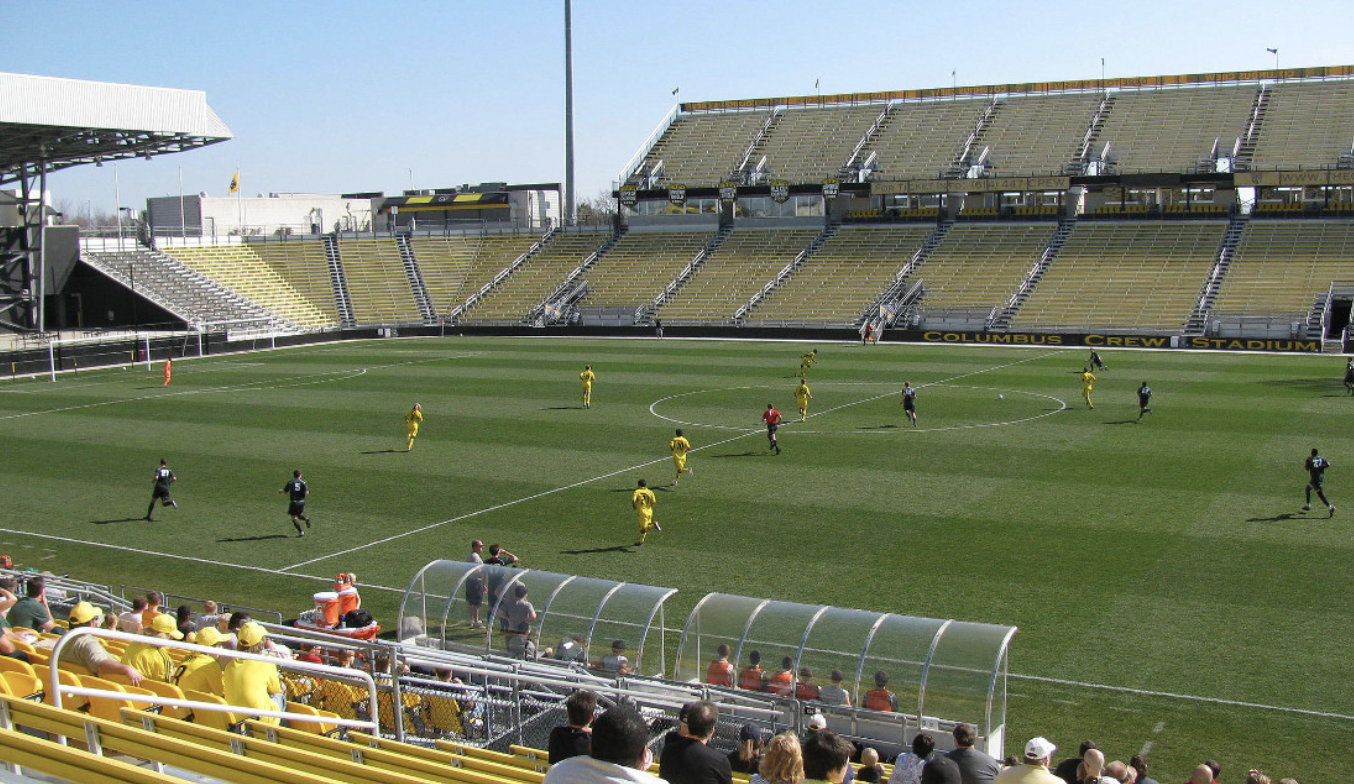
[[1167, 587]]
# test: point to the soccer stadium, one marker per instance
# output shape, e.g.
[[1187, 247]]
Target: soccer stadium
[[1123, 305]]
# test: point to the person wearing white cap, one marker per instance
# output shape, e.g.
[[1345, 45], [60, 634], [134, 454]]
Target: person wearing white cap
[[253, 684], [1034, 770], [152, 660], [86, 650]]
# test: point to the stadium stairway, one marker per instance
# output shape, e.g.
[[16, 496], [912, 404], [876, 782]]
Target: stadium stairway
[[1198, 318], [411, 271], [685, 275], [787, 271], [902, 280], [1002, 320], [567, 291], [339, 281]]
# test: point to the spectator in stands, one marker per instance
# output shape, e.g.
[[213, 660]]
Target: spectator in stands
[[210, 615], [783, 762], [907, 768], [153, 602], [184, 618], [32, 612], [575, 738], [686, 757], [474, 584], [751, 677], [1093, 767], [747, 758], [572, 649], [941, 770], [871, 772], [782, 682], [1203, 774], [880, 698], [1139, 763], [720, 671], [619, 755], [7, 640], [615, 662], [153, 661], [130, 621], [806, 689], [9, 596], [1034, 768], [250, 683], [309, 652], [827, 757], [1067, 769], [202, 671], [86, 651], [975, 767], [237, 619], [833, 693], [109, 622]]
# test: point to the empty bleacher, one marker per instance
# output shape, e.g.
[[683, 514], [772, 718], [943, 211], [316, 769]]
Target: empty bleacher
[[922, 140], [1281, 268], [1173, 130], [810, 144], [536, 279], [843, 276], [1124, 275], [1306, 125], [640, 265], [703, 149], [746, 261], [454, 268], [303, 266], [240, 269], [979, 266], [1036, 134], [378, 285], [174, 286]]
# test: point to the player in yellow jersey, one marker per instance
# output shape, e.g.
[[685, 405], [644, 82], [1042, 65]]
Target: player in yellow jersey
[[412, 418], [802, 397], [806, 361], [643, 501], [587, 377], [680, 446], [1087, 384]]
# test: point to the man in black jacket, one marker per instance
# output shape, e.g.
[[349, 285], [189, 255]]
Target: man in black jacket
[[687, 759]]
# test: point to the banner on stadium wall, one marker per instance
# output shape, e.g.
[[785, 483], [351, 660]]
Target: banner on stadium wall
[[677, 194], [1294, 178], [1094, 340], [728, 191], [780, 191], [985, 185], [629, 195], [831, 188]]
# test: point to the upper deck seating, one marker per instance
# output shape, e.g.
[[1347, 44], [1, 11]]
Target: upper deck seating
[[810, 144], [704, 149], [1306, 125], [922, 140], [1036, 134], [1173, 130]]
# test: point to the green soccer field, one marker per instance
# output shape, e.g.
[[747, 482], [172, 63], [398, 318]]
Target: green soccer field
[[1168, 589]]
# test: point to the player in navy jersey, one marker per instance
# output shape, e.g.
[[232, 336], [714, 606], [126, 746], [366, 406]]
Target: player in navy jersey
[[163, 479], [1144, 398], [297, 490], [1316, 469]]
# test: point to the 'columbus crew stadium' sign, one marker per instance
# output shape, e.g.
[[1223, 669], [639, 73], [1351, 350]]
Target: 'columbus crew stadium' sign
[[629, 195], [831, 187], [780, 191], [728, 191], [677, 194]]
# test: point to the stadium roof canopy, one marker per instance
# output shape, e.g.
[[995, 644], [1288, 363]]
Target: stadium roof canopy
[[69, 122]]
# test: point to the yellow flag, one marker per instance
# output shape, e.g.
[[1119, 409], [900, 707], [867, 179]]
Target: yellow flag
[[234, 182]]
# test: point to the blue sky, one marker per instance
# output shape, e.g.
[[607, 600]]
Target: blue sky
[[337, 96]]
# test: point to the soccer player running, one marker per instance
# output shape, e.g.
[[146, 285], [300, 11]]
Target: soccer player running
[[772, 420], [909, 401], [163, 479], [806, 361], [1087, 385], [412, 418], [297, 490], [802, 398], [1096, 362], [680, 446], [1144, 399], [587, 377], [643, 502], [1316, 469]]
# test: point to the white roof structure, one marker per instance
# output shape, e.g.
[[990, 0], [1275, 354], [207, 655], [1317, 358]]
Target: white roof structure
[[69, 122]]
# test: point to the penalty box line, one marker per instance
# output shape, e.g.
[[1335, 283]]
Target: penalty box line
[[608, 475]]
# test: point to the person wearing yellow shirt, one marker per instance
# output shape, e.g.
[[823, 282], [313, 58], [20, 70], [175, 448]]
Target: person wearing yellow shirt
[[806, 361], [153, 661], [253, 684], [1087, 384], [201, 671], [802, 397], [587, 377], [643, 502], [680, 446], [412, 418]]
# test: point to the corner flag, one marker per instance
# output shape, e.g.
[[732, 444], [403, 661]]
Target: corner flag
[[234, 182]]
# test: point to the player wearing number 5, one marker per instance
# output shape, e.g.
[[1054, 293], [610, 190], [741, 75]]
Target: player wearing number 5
[[680, 446]]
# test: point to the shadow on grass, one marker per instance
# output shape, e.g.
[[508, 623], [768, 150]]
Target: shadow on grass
[[620, 548], [1278, 518], [1122, 422], [877, 427], [562, 408], [1304, 382], [385, 451], [119, 520], [257, 538], [742, 454]]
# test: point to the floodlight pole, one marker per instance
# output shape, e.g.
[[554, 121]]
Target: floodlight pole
[[569, 214]]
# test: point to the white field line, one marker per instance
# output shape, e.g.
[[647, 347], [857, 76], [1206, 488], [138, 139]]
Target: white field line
[[1190, 697], [610, 474]]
